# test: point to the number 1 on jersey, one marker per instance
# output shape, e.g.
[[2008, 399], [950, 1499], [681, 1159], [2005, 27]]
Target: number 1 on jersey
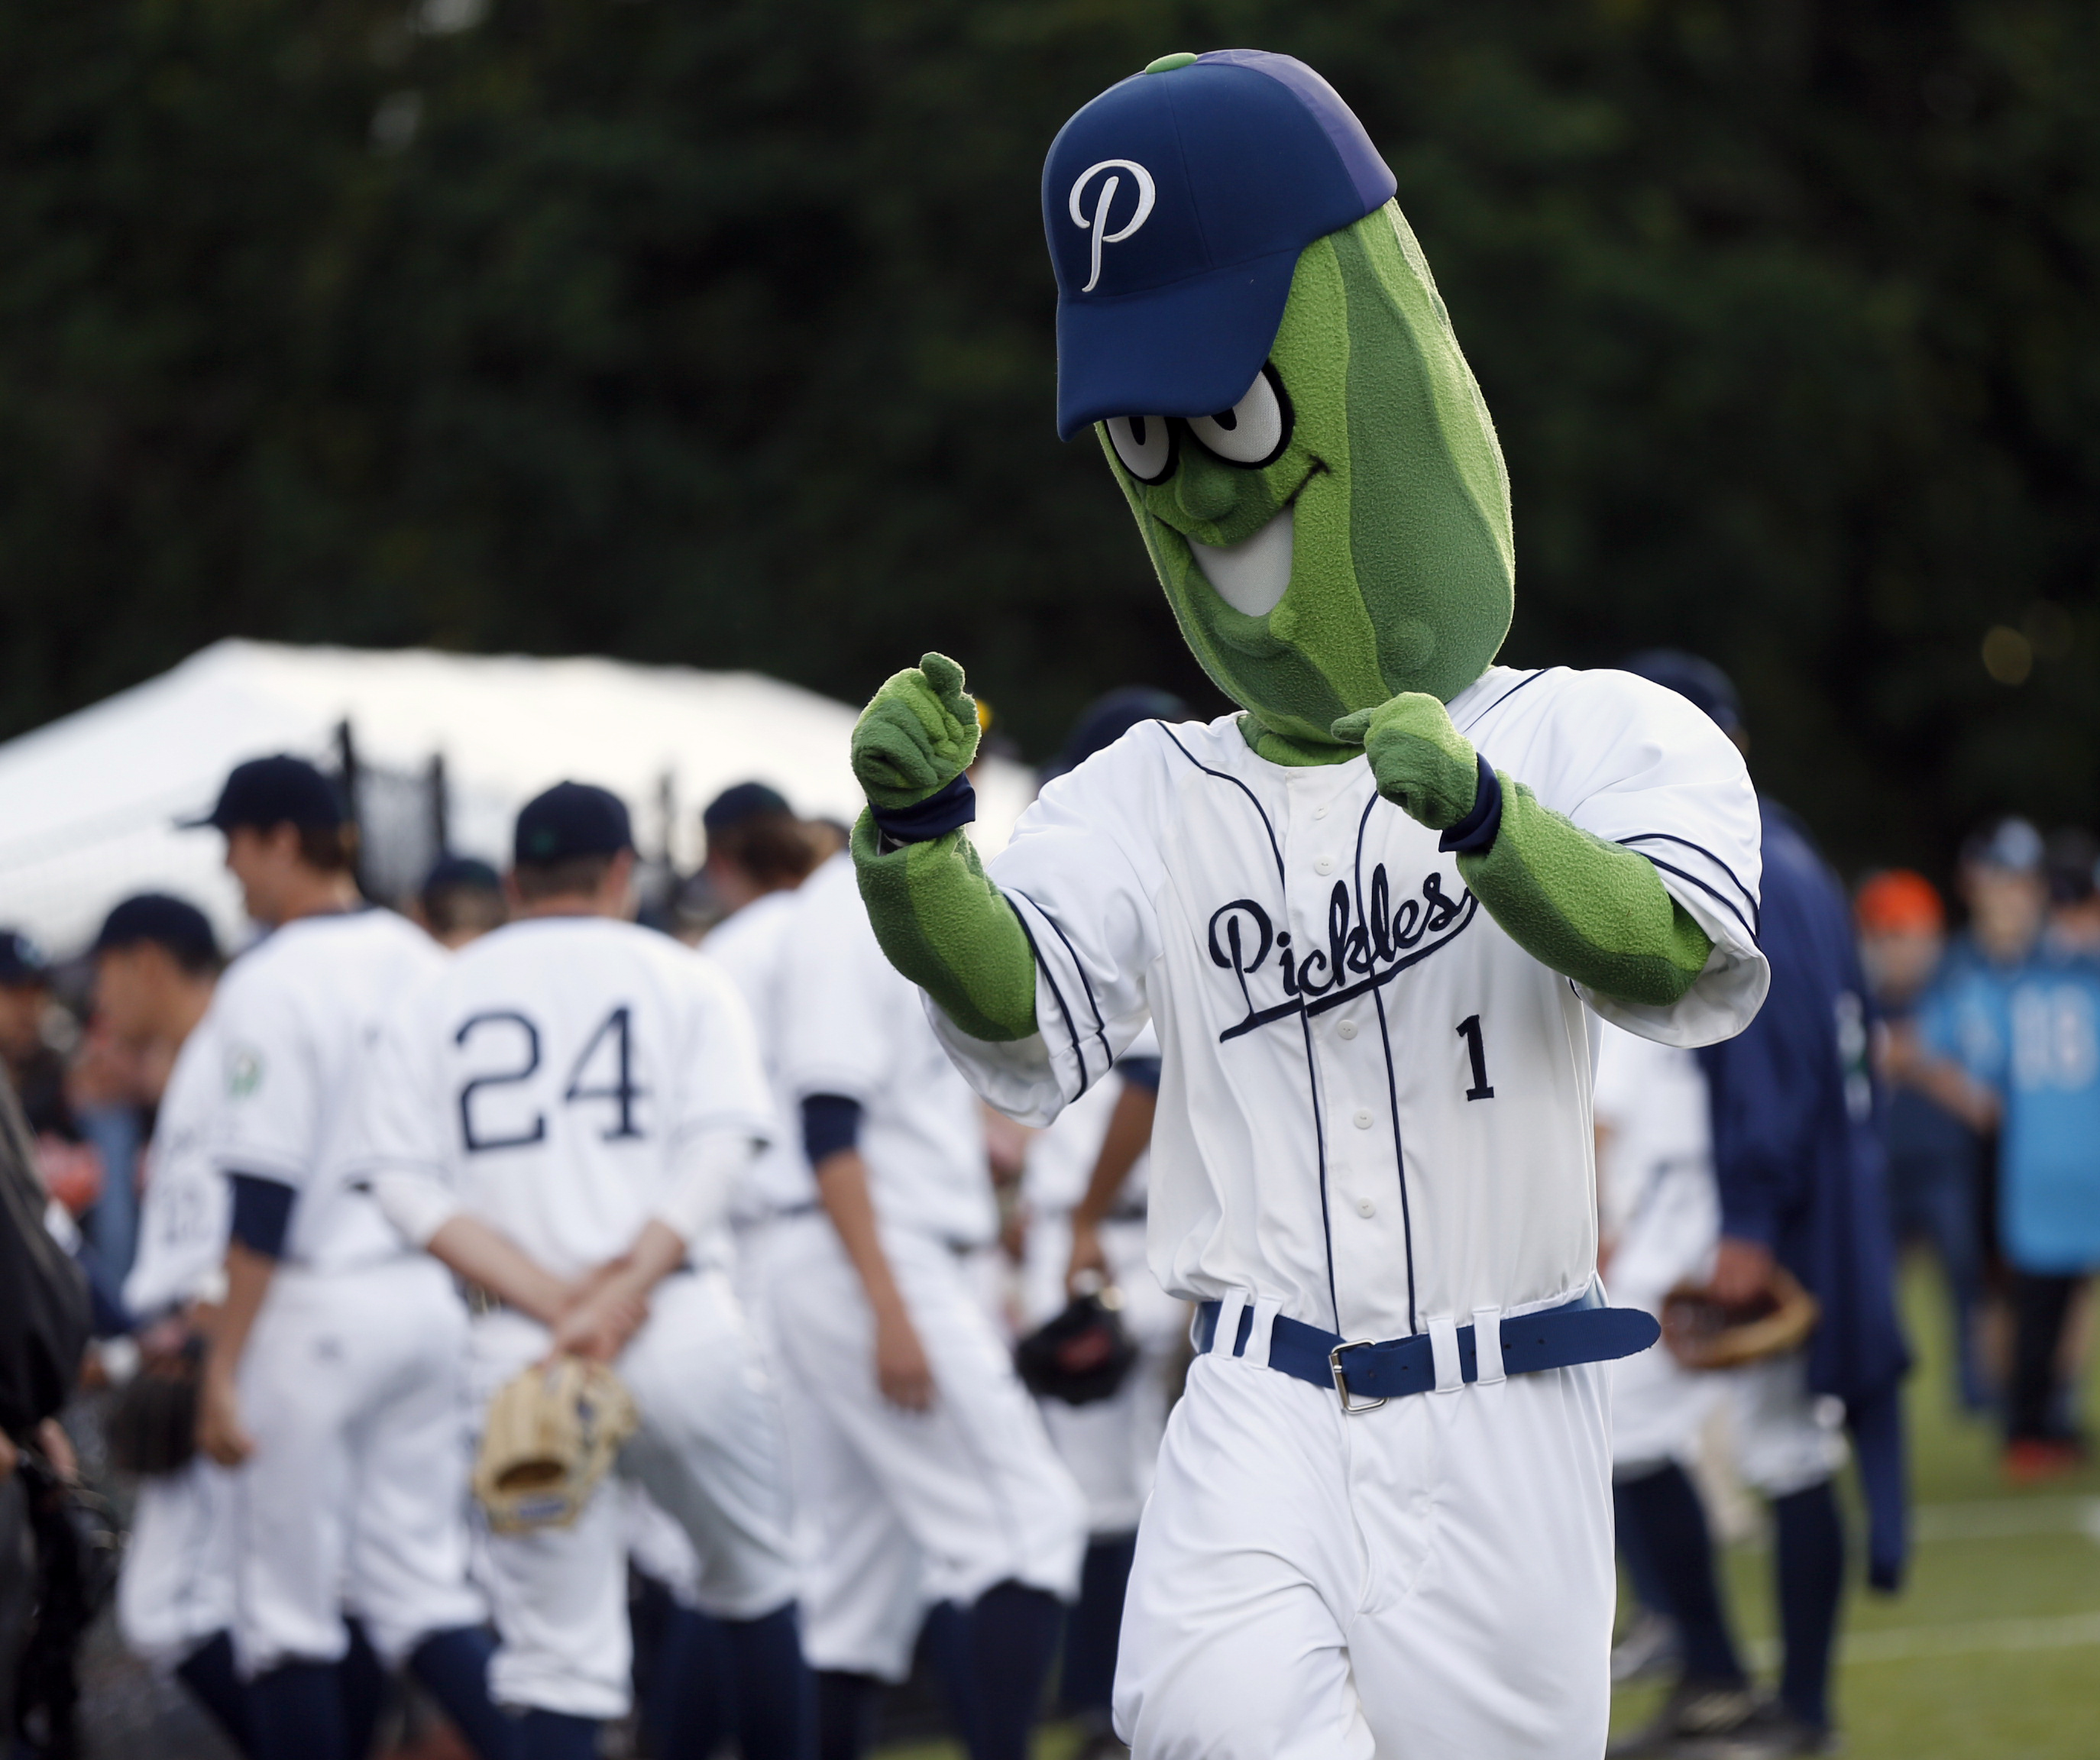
[[1469, 1030]]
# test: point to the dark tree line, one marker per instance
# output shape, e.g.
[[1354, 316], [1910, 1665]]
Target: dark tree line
[[719, 331]]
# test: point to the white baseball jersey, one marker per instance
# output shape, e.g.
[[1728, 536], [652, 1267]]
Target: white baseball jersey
[[850, 1024], [1060, 1160], [183, 1219], [555, 1074], [297, 1018], [1375, 1110], [1656, 1195], [752, 947]]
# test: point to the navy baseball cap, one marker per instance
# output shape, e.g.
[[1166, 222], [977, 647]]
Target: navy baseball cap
[[1176, 204], [451, 873], [1702, 681], [744, 801], [22, 961], [571, 819], [171, 923], [274, 791], [2011, 843]]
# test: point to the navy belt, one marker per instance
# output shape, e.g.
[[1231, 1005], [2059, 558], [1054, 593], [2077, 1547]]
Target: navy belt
[[1367, 1372]]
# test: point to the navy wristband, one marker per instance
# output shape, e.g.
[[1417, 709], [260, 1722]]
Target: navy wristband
[[934, 817], [830, 1122], [1476, 830], [261, 1213]]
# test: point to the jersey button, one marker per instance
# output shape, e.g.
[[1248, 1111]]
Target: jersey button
[[1325, 865], [1347, 1029], [1319, 813], [1366, 1207], [1363, 1118]]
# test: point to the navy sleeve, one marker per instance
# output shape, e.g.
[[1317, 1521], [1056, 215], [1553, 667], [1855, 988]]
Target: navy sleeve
[[261, 1213], [830, 1122], [1141, 1072]]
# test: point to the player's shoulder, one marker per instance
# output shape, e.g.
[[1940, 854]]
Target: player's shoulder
[[1133, 774], [755, 933], [1598, 706]]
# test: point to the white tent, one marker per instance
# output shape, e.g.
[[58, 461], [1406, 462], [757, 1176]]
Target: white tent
[[88, 805]]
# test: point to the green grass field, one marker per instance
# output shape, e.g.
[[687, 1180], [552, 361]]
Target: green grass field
[[1991, 1652]]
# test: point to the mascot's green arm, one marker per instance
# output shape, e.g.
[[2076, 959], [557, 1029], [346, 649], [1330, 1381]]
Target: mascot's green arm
[[1592, 911], [939, 918]]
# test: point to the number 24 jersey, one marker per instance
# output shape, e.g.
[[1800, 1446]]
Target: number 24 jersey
[[555, 1074]]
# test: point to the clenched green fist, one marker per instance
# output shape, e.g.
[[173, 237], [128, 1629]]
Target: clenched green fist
[[917, 734], [1422, 763]]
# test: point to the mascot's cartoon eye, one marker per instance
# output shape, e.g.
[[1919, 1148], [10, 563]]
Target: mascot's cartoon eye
[[1255, 431], [1145, 444]]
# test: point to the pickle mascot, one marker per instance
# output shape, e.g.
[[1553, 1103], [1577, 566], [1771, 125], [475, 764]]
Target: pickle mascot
[[1373, 918]]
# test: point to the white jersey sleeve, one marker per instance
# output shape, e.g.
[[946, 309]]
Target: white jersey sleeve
[[1636, 764], [1082, 872], [401, 1140], [268, 1121], [183, 1217]]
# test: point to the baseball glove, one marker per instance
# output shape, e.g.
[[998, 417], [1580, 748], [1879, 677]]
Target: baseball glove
[[152, 1424], [1702, 1333], [551, 1435], [1082, 1355]]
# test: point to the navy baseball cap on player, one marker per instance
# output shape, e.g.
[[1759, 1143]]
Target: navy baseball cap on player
[[571, 819], [167, 921], [1176, 205], [274, 791], [741, 802], [22, 961]]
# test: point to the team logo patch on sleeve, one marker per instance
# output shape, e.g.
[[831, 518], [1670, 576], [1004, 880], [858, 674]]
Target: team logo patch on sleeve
[[243, 1071]]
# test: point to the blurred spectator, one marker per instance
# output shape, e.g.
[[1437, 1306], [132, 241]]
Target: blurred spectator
[[2073, 891], [1935, 1154], [461, 899], [35, 1062], [2020, 1019]]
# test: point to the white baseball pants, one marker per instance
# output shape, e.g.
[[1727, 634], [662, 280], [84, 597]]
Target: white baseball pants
[[908, 1508], [353, 1386], [1429, 1581], [176, 1588], [708, 1454]]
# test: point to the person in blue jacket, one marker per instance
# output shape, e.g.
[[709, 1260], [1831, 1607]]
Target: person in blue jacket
[[1801, 1172]]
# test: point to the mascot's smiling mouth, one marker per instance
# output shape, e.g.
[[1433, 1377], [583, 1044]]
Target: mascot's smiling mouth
[[1252, 575]]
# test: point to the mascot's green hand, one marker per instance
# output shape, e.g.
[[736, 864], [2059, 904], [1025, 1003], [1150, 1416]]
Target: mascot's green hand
[[1422, 763], [917, 736]]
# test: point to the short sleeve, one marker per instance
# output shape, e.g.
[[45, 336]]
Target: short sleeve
[[723, 1084], [1963, 1021], [1637, 765], [1081, 872], [402, 1123], [269, 1122], [838, 993]]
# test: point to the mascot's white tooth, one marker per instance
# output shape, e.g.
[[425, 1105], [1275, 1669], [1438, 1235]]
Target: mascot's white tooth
[[1250, 575]]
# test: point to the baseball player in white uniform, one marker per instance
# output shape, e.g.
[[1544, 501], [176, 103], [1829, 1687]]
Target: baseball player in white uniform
[[560, 1114], [157, 963], [920, 1461], [335, 1380]]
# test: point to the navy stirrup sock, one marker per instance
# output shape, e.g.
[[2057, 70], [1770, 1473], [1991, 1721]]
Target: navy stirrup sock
[[846, 1707], [1672, 1524], [361, 1679], [776, 1711], [1094, 1627], [454, 1665], [1809, 1556], [556, 1735], [207, 1671], [295, 1712], [1013, 1636]]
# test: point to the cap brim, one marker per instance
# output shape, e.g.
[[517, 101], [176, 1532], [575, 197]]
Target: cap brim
[[209, 822], [1189, 349]]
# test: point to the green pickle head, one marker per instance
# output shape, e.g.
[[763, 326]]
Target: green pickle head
[[1320, 487]]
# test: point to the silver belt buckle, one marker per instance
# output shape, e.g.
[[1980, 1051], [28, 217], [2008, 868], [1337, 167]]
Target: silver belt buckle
[[1342, 1381]]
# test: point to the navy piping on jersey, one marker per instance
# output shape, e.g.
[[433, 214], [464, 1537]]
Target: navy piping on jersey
[[1312, 1071], [1086, 983], [1275, 849], [1473, 720], [1057, 995], [1749, 897], [1718, 897], [1391, 1085]]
